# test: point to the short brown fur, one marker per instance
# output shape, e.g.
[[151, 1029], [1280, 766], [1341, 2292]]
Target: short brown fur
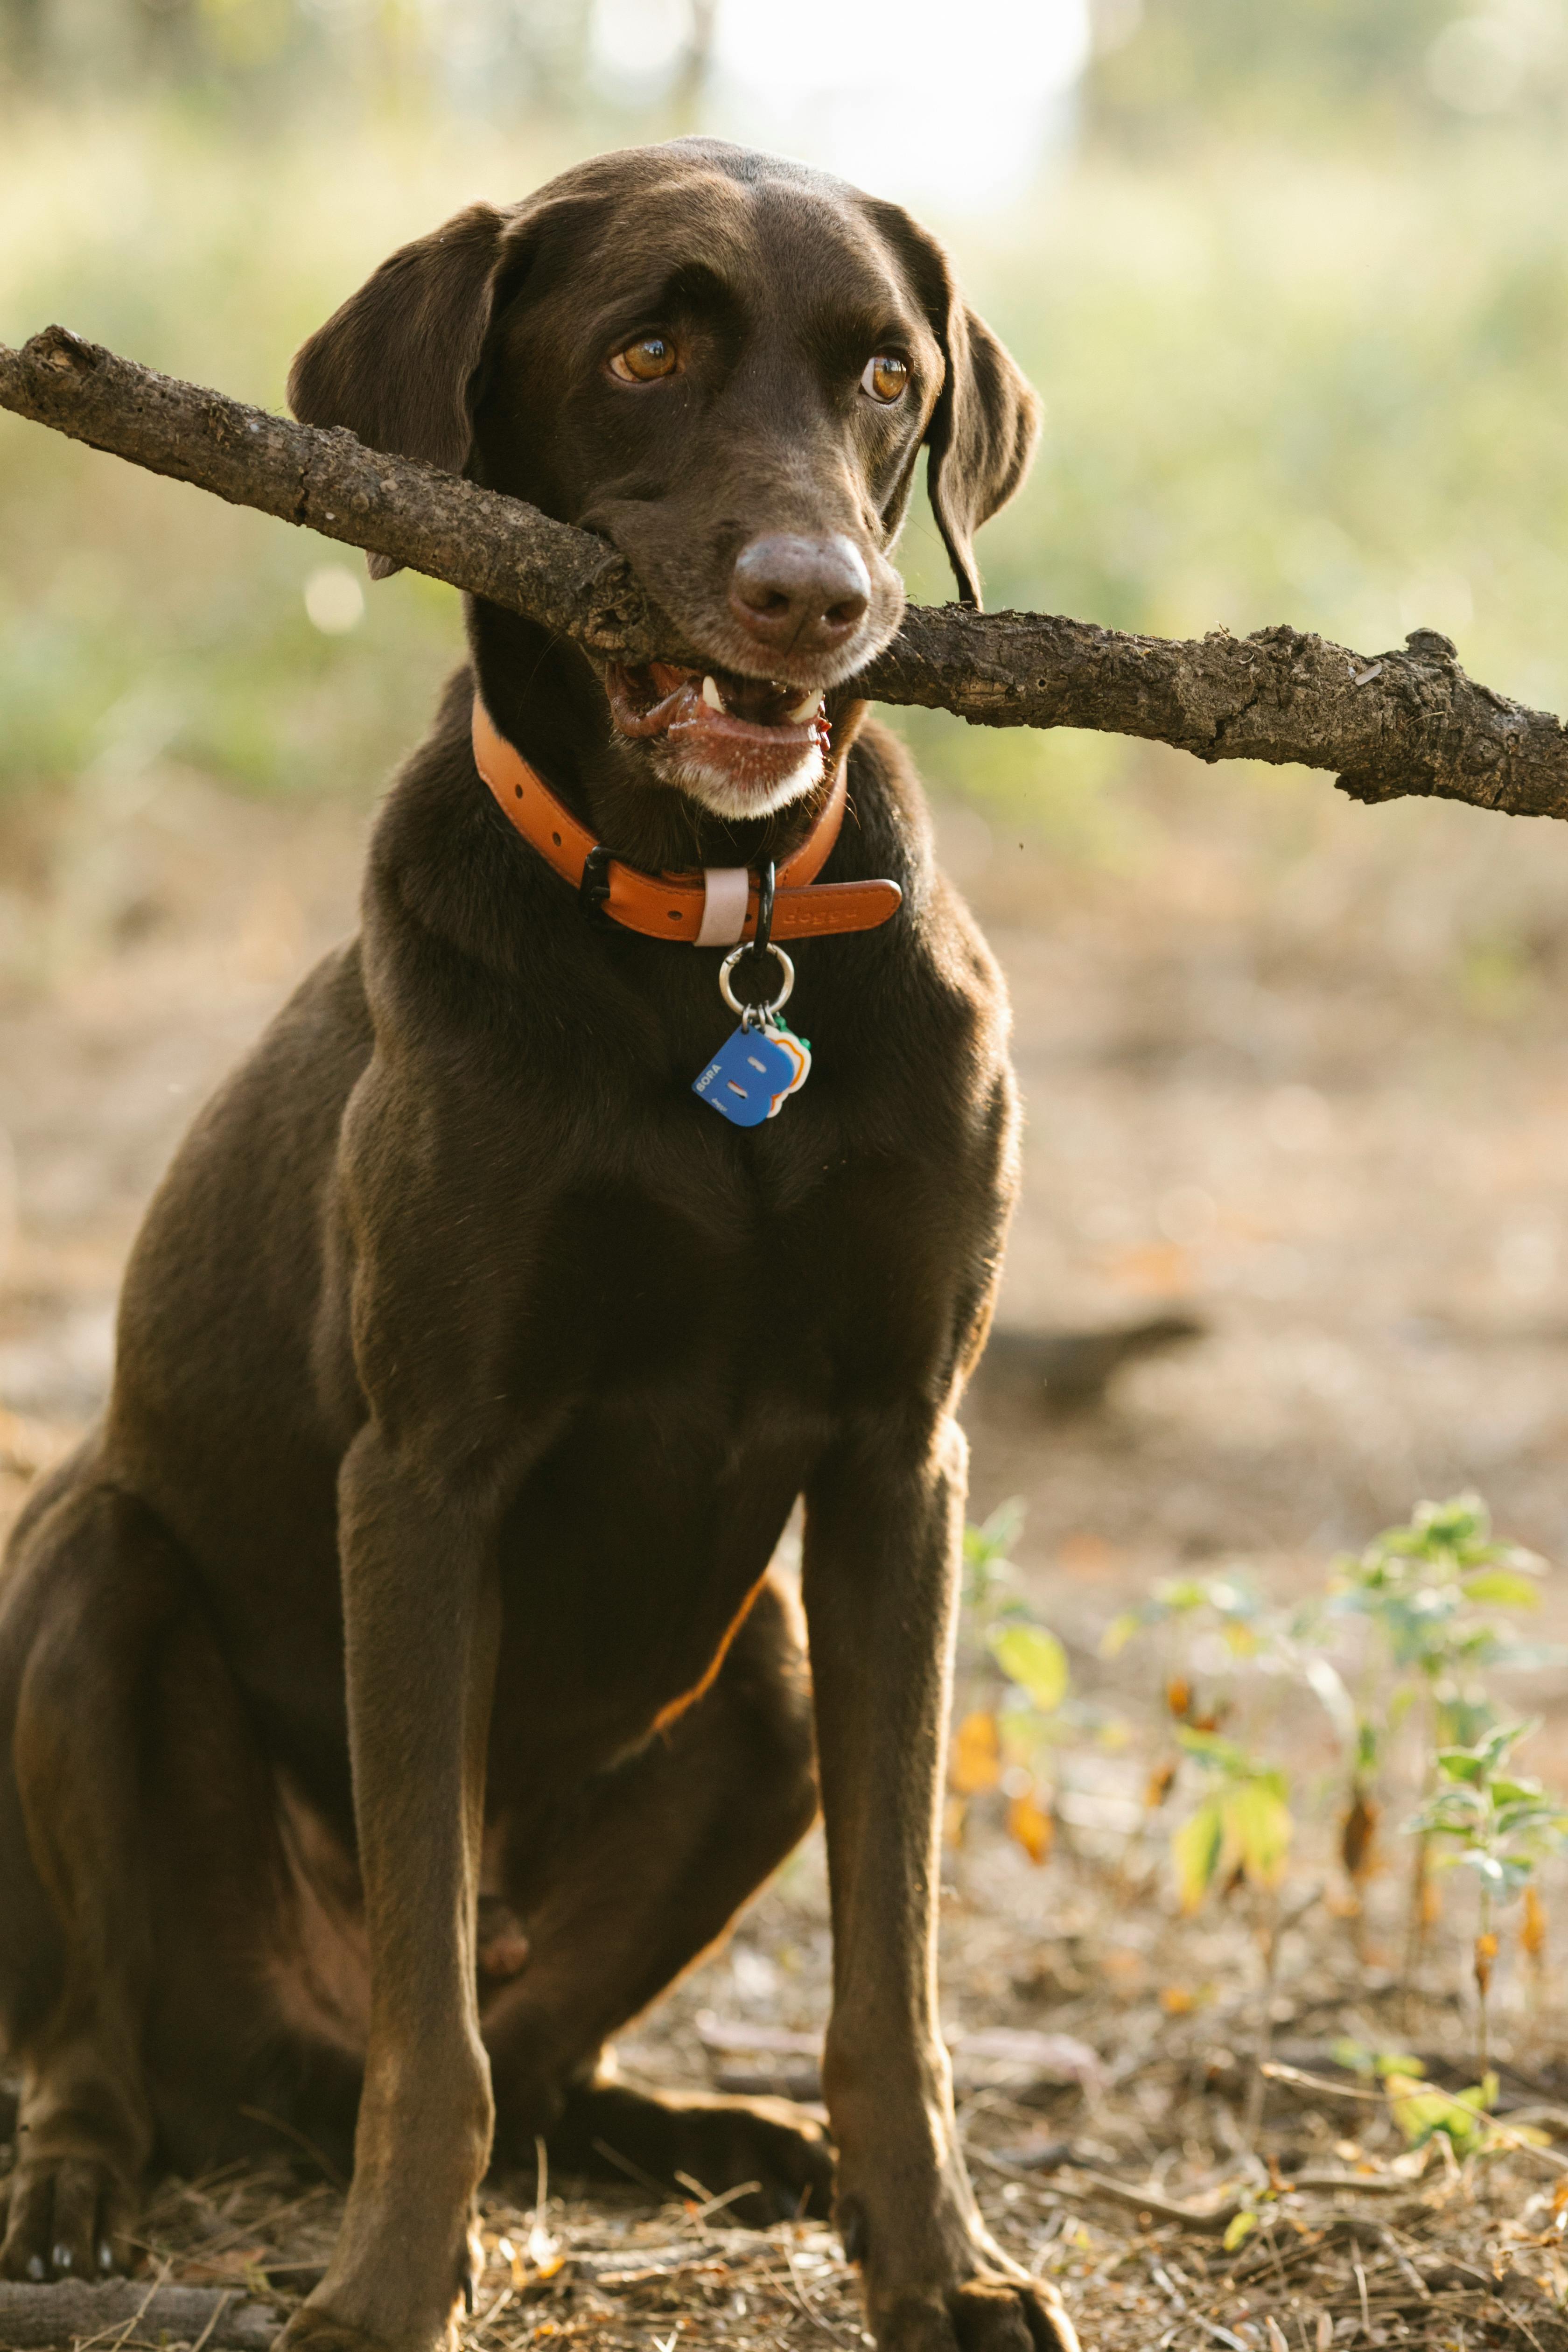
[[391, 1706]]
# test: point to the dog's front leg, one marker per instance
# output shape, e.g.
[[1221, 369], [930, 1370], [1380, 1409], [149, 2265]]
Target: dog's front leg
[[422, 1617], [883, 1545]]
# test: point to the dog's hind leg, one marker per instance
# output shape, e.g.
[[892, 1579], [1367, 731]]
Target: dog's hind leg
[[91, 1581], [637, 1882], [149, 1929]]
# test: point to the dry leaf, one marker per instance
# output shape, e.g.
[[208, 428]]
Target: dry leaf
[[976, 1754], [1532, 1934], [1358, 1834], [1030, 1825]]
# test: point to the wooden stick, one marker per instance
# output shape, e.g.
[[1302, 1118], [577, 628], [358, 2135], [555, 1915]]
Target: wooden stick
[[1407, 721], [72, 2311]]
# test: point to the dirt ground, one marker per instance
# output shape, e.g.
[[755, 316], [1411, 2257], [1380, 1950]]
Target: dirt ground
[[1295, 1074]]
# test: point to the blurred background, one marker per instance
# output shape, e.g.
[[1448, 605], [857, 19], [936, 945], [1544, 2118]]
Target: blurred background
[[1293, 284]]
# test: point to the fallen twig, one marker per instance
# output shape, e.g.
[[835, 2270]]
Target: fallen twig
[[1408, 721], [62, 2314], [1184, 2310], [1210, 2222]]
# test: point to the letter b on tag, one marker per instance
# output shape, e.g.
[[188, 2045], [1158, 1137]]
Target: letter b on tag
[[743, 1077]]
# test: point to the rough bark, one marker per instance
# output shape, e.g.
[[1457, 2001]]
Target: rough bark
[[431, 521], [1405, 722], [130, 2312]]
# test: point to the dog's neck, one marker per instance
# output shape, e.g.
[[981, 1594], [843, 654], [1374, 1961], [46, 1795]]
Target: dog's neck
[[546, 700]]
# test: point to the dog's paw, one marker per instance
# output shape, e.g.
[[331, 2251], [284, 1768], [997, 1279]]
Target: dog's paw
[[769, 2142], [316, 2329], [66, 2218], [768, 2160], [987, 2314]]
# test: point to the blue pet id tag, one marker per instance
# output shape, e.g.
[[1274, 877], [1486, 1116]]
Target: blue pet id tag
[[755, 1071], [748, 1078]]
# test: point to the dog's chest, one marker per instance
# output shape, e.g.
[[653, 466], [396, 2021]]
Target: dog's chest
[[707, 1352], [697, 1292]]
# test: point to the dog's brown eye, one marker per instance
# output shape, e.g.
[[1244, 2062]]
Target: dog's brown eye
[[645, 361], [885, 377]]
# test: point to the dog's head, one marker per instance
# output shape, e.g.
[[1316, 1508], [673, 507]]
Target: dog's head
[[728, 364]]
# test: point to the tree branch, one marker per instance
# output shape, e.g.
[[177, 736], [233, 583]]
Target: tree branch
[[1408, 721], [141, 2314]]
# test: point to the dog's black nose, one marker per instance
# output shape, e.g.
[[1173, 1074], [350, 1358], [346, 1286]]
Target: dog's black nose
[[800, 595]]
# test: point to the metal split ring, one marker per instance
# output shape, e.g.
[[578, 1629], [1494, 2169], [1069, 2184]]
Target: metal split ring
[[749, 1012]]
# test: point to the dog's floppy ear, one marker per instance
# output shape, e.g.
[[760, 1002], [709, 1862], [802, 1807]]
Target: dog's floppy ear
[[981, 431], [397, 362]]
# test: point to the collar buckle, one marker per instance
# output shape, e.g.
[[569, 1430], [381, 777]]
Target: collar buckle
[[594, 889]]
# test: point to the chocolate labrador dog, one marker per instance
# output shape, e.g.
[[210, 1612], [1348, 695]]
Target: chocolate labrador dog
[[394, 1695]]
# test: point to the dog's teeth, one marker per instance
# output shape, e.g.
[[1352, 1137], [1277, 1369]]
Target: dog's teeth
[[806, 707], [711, 696]]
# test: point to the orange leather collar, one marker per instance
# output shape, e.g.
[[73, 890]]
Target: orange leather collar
[[717, 907]]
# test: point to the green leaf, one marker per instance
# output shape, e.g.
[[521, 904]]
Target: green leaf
[[1419, 2111], [1501, 1588], [1120, 1631], [1257, 1830], [1237, 2229], [1462, 1721], [1195, 1851], [1518, 1793], [1175, 1595], [1463, 1519], [992, 1537], [1035, 1660]]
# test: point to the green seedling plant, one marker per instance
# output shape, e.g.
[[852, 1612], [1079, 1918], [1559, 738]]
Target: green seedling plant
[[1421, 2111], [1423, 1588], [1489, 1819], [1426, 1591], [1240, 1828], [1018, 1706], [1242, 1819], [1252, 1633], [1237, 1834]]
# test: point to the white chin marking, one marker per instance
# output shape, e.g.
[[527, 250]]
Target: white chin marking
[[719, 790]]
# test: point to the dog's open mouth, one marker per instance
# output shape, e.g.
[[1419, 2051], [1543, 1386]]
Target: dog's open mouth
[[734, 740]]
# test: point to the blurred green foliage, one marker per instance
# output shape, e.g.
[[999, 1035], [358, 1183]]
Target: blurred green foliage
[[1300, 323], [1170, 73]]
